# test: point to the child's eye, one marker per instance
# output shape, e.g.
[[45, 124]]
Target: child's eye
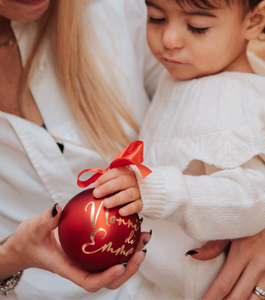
[[156, 21], [197, 30]]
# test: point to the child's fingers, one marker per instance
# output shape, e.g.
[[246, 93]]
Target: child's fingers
[[128, 195], [112, 174], [131, 208], [120, 183]]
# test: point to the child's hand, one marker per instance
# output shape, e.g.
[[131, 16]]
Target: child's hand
[[123, 181]]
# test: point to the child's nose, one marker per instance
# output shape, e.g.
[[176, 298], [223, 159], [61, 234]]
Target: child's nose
[[172, 38]]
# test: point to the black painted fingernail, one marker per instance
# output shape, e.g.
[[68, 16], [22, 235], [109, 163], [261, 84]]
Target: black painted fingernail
[[191, 252], [145, 242], [125, 265], [141, 220], [144, 251], [54, 210]]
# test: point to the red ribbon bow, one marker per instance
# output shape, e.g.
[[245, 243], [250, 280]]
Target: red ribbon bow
[[132, 155]]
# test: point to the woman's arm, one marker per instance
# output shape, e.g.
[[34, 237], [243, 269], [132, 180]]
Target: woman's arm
[[33, 245]]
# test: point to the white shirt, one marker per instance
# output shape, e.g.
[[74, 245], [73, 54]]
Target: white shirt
[[34, 174], [205, 144]]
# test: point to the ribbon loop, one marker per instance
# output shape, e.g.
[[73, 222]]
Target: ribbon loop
[[132, 155]]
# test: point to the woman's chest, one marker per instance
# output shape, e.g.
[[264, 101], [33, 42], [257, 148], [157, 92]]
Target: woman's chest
[[11, 78]]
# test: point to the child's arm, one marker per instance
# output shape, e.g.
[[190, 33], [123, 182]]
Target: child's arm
[[121, 179], [226, 204]]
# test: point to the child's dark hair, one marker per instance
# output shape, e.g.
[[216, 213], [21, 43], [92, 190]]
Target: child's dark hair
[[247, 5]]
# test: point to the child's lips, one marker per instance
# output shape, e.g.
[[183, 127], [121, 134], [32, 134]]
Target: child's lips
[[173, 61]]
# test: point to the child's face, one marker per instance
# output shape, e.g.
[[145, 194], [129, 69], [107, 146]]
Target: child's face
[[192, 42]]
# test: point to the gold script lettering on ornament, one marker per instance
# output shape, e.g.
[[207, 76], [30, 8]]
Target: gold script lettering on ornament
[[94, 219], [92, 237], [108, 247], [129, 223], [108, 219], [129, 239]]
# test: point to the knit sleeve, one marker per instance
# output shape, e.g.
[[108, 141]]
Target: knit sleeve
[[226, 204]]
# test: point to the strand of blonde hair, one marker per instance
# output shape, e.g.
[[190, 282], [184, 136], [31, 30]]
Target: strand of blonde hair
[[89, 96]]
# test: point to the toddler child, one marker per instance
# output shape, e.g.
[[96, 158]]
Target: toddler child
[[204, 139]]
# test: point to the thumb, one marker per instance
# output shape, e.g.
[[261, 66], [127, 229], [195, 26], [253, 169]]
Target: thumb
[[48, 220], [209, 250]]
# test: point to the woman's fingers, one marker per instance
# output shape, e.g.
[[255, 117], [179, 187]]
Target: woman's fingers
[[113, 277], [48, 220], [240, 271], [35, 245], [245, 284], [258, 291], [244, 265], [135, 261], [34, 235], [132, 267], [209, 250], [91, 282], [229, 274], [37, 228]]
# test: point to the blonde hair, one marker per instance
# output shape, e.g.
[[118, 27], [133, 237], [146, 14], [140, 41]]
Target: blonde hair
[[89, 96]]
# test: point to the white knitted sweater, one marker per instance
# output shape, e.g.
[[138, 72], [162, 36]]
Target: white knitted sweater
[[205, 143]]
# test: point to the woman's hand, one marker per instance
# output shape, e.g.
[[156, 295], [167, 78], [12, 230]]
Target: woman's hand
[[244, 268], [33, 245], [123, 181]]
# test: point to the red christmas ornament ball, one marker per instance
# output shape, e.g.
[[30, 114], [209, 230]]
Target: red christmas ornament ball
[[94, 237]]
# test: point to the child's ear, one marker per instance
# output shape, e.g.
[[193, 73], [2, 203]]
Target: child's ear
[[255, 22]]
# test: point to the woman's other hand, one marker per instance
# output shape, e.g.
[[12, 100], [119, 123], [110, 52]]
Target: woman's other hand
[[243, 270], [123, 183], [33, 245]]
